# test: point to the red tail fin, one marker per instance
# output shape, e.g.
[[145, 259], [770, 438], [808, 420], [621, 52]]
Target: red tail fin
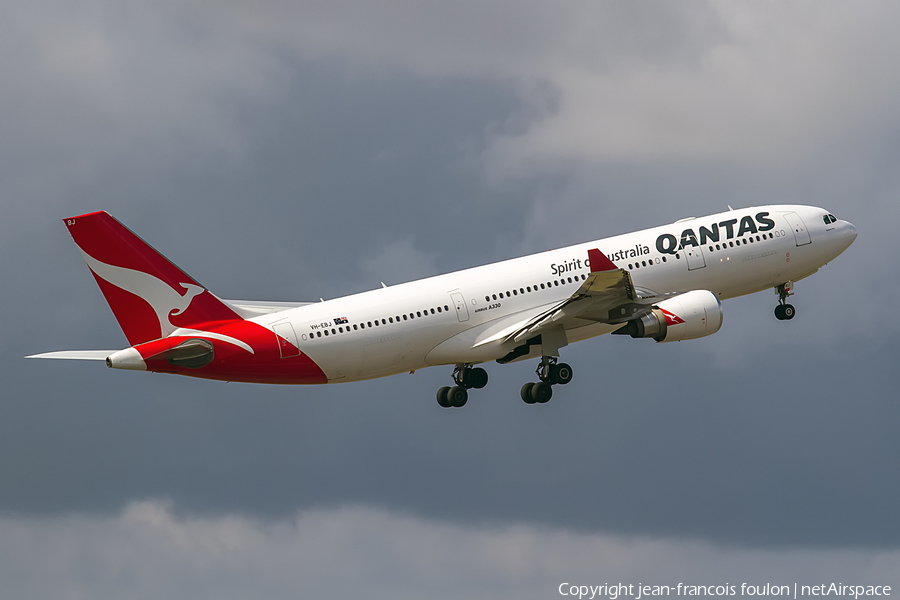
[[149, 295]]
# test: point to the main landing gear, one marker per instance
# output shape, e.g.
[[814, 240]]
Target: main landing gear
[[550, 373], [784, 311], [465, 377]]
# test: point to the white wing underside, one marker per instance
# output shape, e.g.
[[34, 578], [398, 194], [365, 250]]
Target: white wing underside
[[604, 297]]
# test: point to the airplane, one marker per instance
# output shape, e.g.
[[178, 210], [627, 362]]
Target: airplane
[[666, 283]]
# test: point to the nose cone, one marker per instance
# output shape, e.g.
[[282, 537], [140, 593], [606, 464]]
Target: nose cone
[[845, 235]]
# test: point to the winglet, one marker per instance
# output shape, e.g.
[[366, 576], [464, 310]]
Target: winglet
[[599, 262]]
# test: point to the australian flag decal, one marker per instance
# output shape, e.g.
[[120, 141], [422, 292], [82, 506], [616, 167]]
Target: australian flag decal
[[340, 320]]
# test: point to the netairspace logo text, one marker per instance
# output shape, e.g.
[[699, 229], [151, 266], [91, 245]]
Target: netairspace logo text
[[639, 591]]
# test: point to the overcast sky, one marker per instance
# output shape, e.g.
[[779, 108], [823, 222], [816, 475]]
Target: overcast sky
[[292, 151]]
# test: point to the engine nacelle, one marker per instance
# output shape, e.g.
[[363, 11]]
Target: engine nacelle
[[689, 316]]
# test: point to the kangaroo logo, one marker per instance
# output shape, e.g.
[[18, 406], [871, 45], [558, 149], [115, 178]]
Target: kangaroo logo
[[165, 301], [672, 318]]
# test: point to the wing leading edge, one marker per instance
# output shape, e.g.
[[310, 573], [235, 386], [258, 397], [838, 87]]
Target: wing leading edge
[[606, 296]]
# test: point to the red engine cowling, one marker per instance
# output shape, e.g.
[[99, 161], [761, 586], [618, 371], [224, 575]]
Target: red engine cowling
[[689, 316]]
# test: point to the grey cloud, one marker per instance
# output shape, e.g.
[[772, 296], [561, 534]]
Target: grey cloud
[[691, 83], [276, 153], [148, 551], [648, 439], [398, 261]]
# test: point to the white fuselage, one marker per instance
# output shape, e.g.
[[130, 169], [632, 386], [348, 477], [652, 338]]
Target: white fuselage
[[442, 319]]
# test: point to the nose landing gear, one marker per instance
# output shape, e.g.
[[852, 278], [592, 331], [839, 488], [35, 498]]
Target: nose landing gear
[[550, 373], [465, 377], [784, 311]]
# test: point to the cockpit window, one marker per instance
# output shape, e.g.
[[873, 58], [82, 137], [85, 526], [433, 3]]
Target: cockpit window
[[829, 219]]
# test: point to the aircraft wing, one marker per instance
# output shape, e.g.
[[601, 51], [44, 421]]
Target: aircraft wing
[[606, 296]]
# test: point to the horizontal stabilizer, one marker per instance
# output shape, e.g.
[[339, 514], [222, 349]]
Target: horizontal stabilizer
[[76, 354], [253, 308]]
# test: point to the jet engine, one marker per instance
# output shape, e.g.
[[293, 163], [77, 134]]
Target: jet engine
[[688, 316]]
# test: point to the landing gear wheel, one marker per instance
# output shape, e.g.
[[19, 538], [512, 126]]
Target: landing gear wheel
[[457, 396], [442, 397], [541, 392], [560, 373], [784, 312], [787, 312], [526, 393], [476, 378]]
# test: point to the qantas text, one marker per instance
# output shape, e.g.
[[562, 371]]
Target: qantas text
[[669, 244]]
